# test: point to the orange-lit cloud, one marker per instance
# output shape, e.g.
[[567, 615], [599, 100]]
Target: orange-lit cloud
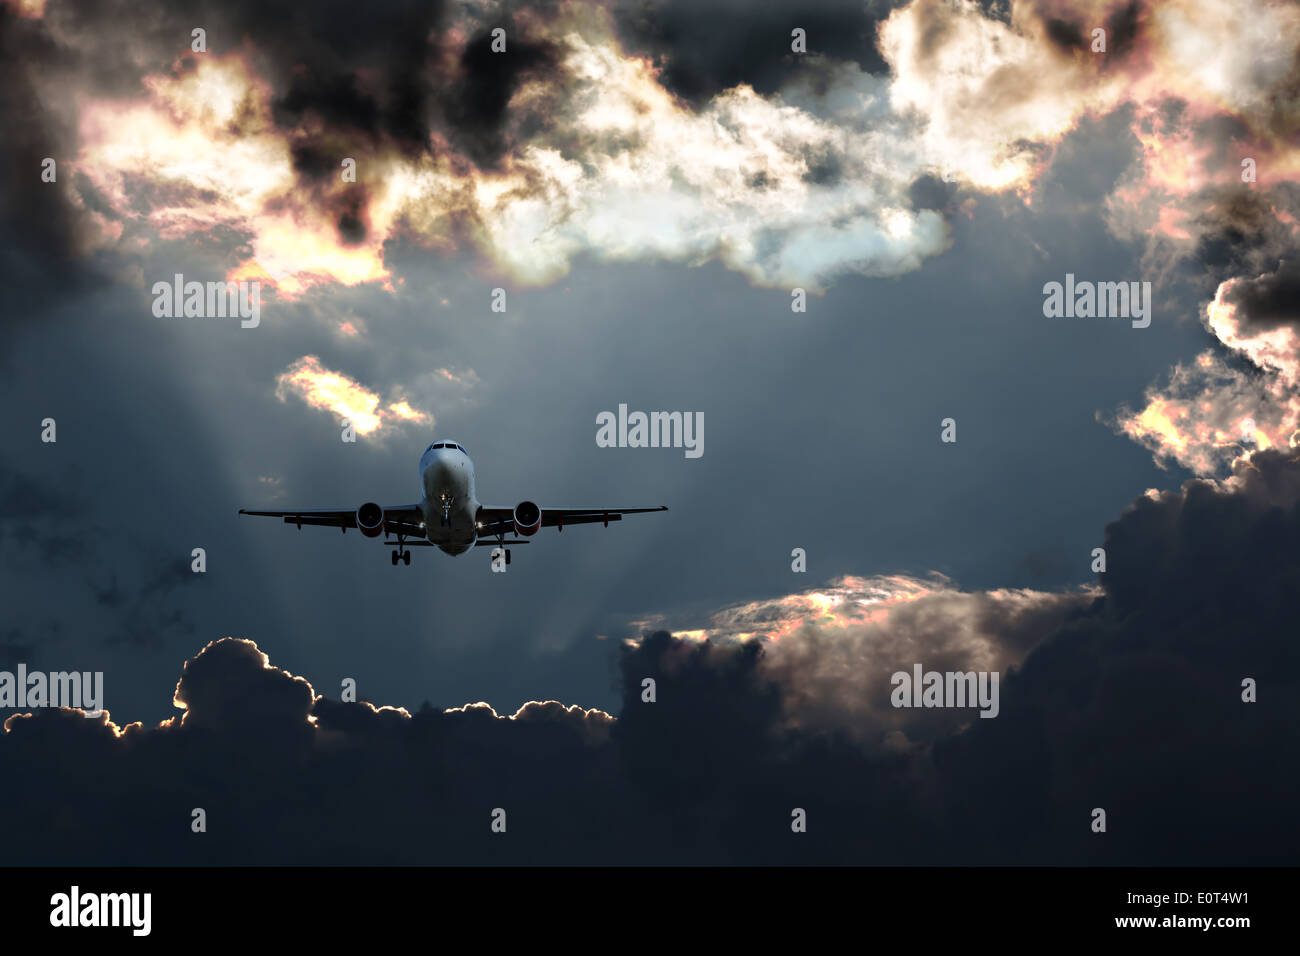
[[1207, 85], [202, 145], [344, 397], [466, 376], [1212, 414], [30, 9], [844, 602], [102, 719], [619, 168], [614, 166], [833, 648]]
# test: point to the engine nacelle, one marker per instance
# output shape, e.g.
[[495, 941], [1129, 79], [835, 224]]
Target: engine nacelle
[[370, 519], [528, 518]]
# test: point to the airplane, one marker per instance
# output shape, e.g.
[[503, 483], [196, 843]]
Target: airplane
[[449, 516]]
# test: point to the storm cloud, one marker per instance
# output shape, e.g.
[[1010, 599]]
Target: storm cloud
[[625, 131], [648, 180], [1133, 704]]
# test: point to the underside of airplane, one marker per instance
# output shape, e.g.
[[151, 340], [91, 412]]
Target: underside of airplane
[[449, 516]]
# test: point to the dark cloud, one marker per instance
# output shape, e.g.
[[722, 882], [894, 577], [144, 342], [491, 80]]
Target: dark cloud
[[1064, 34], [268, 697], [1136, 707], [1132, 704], [475, 101], [1123, 28], [348, 80], [351, 216], [364, 70], [825, 168], [1240, 232], [1205, 550], [38, 223], [40, 516], [931, 192], [1129, 701], [999, 10], [335, 99], [705, 48], [1269, 300]]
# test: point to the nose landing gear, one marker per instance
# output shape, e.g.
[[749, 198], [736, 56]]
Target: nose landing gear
[[501, 544]]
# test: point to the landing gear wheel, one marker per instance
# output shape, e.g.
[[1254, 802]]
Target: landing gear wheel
[[394, 559], [406, 558], [507, 555]]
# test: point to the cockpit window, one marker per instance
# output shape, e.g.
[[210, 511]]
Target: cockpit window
[[437, 445]]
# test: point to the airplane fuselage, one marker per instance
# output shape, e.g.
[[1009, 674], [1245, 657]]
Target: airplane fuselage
[[448, 515], [449, 505]]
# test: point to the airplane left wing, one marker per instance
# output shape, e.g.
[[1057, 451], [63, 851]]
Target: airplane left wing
[[498, 521]]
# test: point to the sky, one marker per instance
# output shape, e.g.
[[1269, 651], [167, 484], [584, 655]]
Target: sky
[[828, 229]]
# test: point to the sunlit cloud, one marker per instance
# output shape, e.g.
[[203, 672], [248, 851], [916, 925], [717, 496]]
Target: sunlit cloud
[[200, 153], [846, 601], [1213, 413], [802, 186], [29, 9], [101, 719], [797, 187], [346, 398], [833, 648], [466, 377], [621, 169]]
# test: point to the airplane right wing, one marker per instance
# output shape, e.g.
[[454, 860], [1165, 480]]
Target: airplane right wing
[[399, 519]]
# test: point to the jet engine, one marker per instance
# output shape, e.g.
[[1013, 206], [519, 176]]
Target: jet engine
[[528, 518], [370, 519]]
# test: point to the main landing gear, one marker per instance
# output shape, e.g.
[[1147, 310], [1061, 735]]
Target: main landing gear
[[404, 555]]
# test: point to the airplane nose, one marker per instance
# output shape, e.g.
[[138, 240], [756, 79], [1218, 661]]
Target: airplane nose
[[442, 467]]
